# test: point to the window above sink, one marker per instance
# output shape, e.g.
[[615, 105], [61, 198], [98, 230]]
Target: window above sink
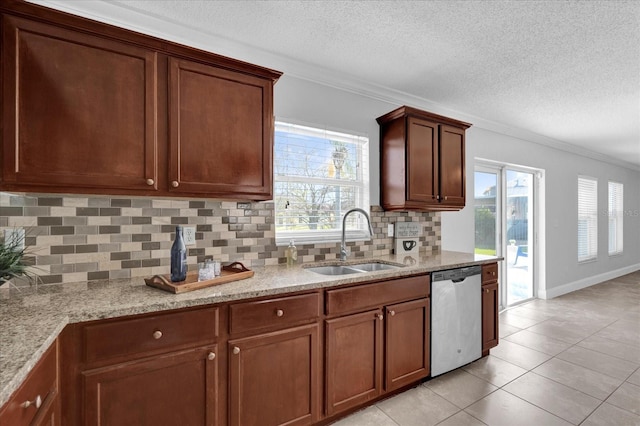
[[319, 174]]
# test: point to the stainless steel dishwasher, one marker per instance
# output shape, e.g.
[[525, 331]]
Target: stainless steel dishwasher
[[456, 318]]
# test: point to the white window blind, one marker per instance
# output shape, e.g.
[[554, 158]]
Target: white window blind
[[616, 209], [318, 176], [587, 219]]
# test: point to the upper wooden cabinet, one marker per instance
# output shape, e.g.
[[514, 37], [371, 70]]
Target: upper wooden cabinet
[[79, 110], [422, 163], [221, 131], [91, 108]]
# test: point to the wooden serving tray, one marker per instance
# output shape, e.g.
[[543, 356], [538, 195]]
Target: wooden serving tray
[[233, 272]]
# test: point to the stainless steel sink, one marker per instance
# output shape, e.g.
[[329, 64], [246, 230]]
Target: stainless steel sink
[[369, 267], [334, 270], [352, 268]]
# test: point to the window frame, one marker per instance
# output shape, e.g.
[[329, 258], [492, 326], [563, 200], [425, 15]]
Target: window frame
[[615, 214], [591, 216], [357, 229]]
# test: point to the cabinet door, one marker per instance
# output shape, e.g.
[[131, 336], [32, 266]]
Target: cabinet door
[[407, 351], [178, 388], [489, 317], [452, 173], [274, 378], [50, 414], [422, 161], [78, 110], [220, 132], [353, 360], [36, 400]]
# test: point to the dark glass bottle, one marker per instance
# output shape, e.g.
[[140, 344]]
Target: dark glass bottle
[[178, 257]]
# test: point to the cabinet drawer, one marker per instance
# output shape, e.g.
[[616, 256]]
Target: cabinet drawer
[[158, 333], [270, 313], [489, 273], [39, 389], [367, 296]]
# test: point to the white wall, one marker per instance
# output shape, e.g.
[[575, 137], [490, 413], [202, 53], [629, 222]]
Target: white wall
[[307, 102]]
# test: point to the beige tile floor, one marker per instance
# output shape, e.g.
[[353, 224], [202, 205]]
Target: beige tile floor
[[572, 360]]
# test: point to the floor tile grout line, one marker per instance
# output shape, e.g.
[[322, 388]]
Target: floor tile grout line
[[591, 369], [541, 408], [617, 406]]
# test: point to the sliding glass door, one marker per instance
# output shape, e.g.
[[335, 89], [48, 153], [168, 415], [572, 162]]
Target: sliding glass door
[[519, 242], [504, 226]]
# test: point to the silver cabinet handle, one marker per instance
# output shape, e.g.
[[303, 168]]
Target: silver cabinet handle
[[236, 350], [380, 317], [37, 402], [157, 334], [175, 184], [150, 182], [211, 356], [279, 312], [392, 313]]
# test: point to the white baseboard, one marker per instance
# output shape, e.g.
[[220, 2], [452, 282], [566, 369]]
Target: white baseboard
[[587, 282]]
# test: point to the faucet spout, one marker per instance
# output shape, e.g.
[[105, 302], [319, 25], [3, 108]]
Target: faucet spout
[[343, 245]]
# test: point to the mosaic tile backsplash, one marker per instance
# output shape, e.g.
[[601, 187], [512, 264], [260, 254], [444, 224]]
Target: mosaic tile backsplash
[[75, 238]]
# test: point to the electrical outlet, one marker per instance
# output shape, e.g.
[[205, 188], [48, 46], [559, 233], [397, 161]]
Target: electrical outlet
[[189, 234], [390, 230], [15, 234]]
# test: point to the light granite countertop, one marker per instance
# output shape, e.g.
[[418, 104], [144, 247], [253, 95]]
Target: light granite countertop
[[32, 318]]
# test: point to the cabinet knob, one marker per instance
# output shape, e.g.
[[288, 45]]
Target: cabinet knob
[[446, 197], [236, 350], [486, 290], [150, 182], [279, 312], [380, 317], [493, 273], [211, 356], [175, 184], [37, 402], [157, 334], [392, 313]]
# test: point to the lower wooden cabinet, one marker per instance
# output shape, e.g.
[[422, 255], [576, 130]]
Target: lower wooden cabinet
[[266, 362], [49, 414], [274, 378], [171, 389], [490, 306], [407, 349], [36, 402], [354, 360], [362, 349]]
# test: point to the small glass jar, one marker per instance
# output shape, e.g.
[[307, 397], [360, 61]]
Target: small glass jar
[[216, 267], [205, 271]]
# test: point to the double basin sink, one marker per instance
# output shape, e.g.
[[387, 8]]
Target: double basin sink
[[352, 268]]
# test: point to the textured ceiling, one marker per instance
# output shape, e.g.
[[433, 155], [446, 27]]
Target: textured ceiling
[[564, 72]]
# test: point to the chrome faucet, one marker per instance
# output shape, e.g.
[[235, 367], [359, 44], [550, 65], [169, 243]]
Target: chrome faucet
[[343, 245]]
